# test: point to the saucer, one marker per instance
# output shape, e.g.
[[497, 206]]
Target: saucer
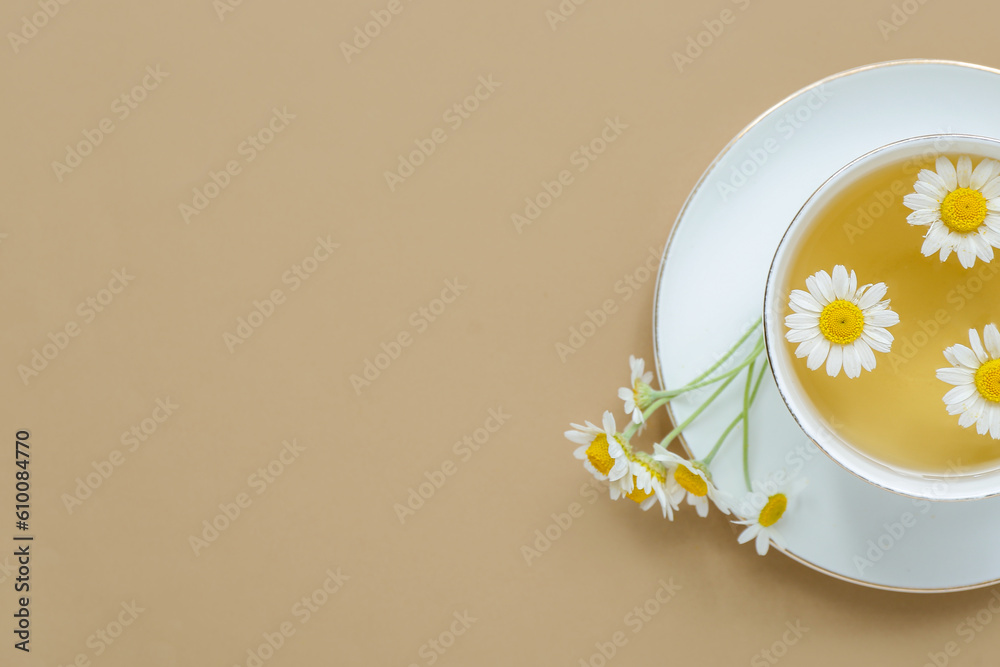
[[711, 288]]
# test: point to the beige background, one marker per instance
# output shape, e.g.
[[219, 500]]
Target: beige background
[[493, 347]]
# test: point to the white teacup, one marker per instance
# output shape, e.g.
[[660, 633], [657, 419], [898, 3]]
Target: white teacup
[[781, 356]]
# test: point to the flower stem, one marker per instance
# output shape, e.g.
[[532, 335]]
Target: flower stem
[[746, 427], [748, 399], [701, 380], [758, 348]]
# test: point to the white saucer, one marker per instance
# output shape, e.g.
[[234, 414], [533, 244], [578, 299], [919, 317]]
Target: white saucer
[[711, 287]]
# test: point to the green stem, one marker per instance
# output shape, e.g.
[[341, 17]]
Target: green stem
[[701, 380], [633, 427], [758, 348], [730, 353], [748, 399], [733, 424], [746, 427]]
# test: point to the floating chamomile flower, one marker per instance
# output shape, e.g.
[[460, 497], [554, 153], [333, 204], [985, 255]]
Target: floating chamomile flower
[[962, 208], [762, 528], [840, 323], [691, 479], [975, 373], [650, 484], [604, 453], [637, 397]]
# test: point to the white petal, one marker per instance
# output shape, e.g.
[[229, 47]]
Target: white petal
[[924, 216], [992, 339], [965, 356], [982, 174], [946, 170], [818, 354], [992, 189], [801, 321], [920, 202], [929, 176], [763, 542], [823, 283], [749, 533], [872, 296], [930, 189], [878, 338], [841, 281], [959, 394], [609, 424], [801, 335], [882, 318], [802, 301], [983, 249], [852, 362], [834, 360], [964, 171], [805, 348], [977, 347], [865, 354], [966, 257], [955, 376]]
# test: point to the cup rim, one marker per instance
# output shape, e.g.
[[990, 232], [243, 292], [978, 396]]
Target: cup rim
[[914, 484]]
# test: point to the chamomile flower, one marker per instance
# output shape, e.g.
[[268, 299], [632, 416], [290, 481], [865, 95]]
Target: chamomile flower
[[604, 453], [960, 207], [650, 479], [839, 323], [975, 373], [690, 479], [767, 511], [637, 397]]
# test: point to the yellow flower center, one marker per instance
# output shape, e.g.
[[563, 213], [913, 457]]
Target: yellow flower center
[[598, 455], [773, 509], [963, 210], [841, 322], [988, 380], [638, 495], [690, 481]]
